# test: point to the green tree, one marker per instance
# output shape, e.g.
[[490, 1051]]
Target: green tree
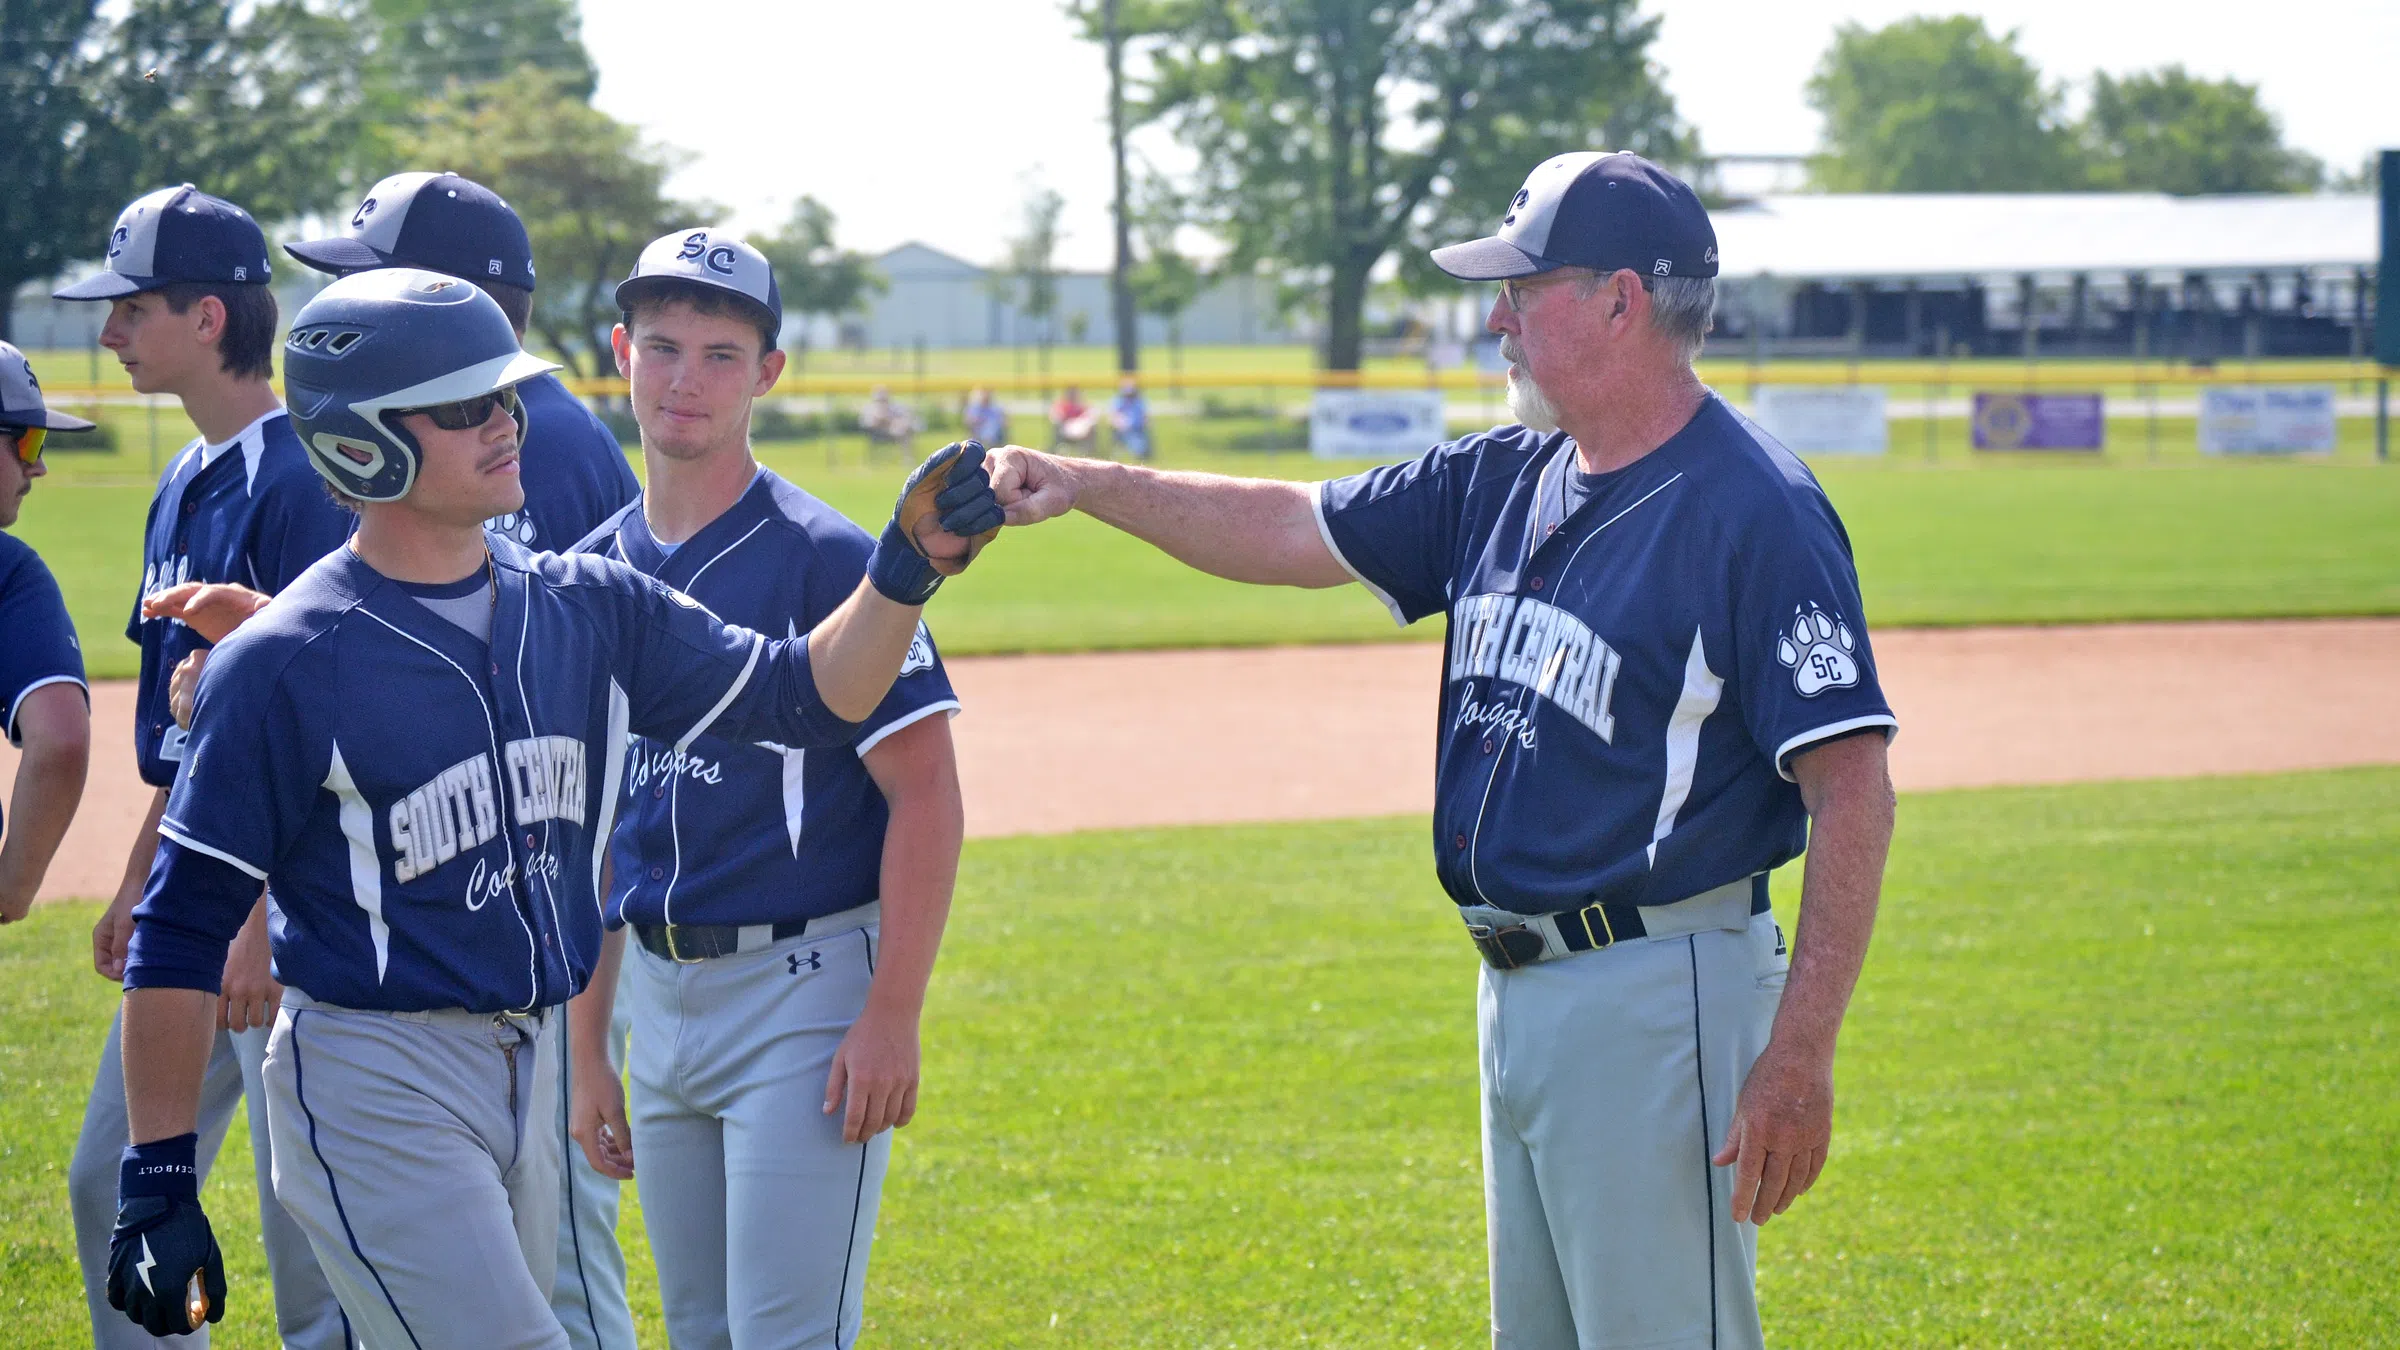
[[64, 169], [591, 191], [1331, 132], [1030, 279], [1165, 282], [1938, 105], [424, 46], [816, 275], [2166, 131]]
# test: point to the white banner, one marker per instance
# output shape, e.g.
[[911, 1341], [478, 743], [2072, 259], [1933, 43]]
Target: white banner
[[1375, 423], [2265, 419], [1825, 419]]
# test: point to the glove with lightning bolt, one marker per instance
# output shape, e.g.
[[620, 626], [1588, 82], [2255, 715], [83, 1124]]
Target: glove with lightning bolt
[[945, 515], [164, 1269]]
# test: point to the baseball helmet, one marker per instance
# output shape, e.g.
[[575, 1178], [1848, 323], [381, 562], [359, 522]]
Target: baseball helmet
[[376, 344]]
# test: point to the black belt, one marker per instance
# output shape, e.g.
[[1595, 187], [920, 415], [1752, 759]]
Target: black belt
[[1588, 929], [705, 941]]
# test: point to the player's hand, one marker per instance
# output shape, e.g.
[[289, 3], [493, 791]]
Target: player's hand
[[160, 1246], [596, 1117], [945, 515], [212, 609], [250, 994], [1031, 487], [114, 933], [183, 687], [874, 1078], [1782, 1127]]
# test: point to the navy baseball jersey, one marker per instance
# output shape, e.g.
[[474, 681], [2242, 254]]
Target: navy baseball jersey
[[572, 469], [734, 831], [1634, 657], [429, 811], [37, 639], [255, 514]]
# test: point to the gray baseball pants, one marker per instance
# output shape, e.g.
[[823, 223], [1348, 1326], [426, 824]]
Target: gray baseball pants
[[1609, 1078], [305, 1311], [589, 1295], [760, 1216], [416, 1151]]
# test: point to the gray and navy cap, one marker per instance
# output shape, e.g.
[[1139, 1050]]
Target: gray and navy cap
[[706, 258], [177, 234], [437, 221], [1594, 210], [21, 397]]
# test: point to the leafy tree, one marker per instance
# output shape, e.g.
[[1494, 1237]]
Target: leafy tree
[[1165, 282], [1938, 105], [1331, 132], [64, 166], [2166, 131], [1031, 275], [591, 191], [424, 46], [815, 275]]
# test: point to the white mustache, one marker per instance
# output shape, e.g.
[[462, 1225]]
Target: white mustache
[[1510, 351]]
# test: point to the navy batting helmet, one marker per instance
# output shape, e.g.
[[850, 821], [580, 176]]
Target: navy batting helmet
[[376, 344]]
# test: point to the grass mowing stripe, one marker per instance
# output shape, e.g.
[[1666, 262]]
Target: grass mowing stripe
[[2119, 1074]]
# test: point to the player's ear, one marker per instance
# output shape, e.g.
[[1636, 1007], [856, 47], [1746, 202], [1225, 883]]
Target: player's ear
[[620, 342], [770, 369]]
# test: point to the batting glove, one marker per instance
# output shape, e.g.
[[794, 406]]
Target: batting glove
[[950, 491], [164, 1269]]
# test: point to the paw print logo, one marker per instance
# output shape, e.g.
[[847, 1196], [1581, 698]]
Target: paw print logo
[[1819, 651], [516, 525]]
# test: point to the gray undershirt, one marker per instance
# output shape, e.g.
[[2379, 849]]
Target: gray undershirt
[[472, 611]]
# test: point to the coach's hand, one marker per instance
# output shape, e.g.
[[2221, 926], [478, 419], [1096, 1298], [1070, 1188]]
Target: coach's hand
[[164, 1269], [183, 687], [945, 515], [1032, 487], [874, 1078], [113, 934], [1782, 1127], [596, 1115], [212, 609]]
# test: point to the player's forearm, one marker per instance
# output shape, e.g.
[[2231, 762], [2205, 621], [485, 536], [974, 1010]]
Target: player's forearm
[[919, 872], [168, 1034], [49, 787], [855, 654], [1258, 530], [1850, 834], [589, 1013]]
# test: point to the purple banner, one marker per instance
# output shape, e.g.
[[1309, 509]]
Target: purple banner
[[2038, 421]]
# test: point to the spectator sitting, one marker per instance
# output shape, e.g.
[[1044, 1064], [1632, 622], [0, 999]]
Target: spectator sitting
[[986, 420], [888, 423], [1071, 423], [1129, 418]]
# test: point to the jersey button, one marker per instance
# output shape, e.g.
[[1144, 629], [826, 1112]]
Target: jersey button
[[1537, 583], [529, 839], [658, 873], [659, 791], [1458, 841], [191, 508], [1487, 745]]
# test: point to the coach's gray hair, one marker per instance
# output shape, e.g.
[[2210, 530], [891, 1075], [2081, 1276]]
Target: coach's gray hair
[[1683, 308]]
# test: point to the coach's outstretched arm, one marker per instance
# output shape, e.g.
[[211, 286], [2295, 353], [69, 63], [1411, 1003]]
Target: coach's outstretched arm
[[1261, 530]]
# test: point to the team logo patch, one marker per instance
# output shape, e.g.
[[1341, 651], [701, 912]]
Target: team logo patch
[[920, 651], [1819, 651]]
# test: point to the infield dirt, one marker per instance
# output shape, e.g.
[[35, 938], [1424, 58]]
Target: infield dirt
[[1050, 744]]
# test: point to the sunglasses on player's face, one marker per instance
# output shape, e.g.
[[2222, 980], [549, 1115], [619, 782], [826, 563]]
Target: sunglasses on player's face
[[470, 413], [29, 443]]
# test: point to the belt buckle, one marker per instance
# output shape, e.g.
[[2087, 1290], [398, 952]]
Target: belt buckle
[[675, 951], [1606, 937], [1493, 943]]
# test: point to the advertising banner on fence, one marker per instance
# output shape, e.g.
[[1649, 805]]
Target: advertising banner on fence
[[2268, 420], [1825, 419], [1375, 423], [2038, 421]]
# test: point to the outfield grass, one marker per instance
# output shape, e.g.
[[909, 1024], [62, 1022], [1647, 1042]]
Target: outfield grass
[[1951, 538], [2120, 1073]]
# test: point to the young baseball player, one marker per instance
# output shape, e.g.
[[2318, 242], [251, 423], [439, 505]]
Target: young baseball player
[[44, 705], [1657, 688], [574, 472], [786, 903], [190, 315], [418, 747]]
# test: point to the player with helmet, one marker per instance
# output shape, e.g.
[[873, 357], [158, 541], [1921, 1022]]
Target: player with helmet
[[785, 904], [190, 315], [418, 748]]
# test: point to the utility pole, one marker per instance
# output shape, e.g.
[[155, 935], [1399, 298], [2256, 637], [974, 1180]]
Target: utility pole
[[1120, 281]]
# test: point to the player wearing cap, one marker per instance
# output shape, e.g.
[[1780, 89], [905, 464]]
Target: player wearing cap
[[575, 475], [1657, 687], [418, 748], [190, 315], [45, 706], [786, 903]]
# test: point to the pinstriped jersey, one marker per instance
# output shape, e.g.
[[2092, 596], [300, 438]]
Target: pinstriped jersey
[[731, 830], [429, 812], [1633, 659]]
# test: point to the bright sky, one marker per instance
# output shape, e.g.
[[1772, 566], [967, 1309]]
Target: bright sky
[[928, 119]]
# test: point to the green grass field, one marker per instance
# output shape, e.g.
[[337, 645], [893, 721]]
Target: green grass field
[[2120, 1073], [1951, 538]]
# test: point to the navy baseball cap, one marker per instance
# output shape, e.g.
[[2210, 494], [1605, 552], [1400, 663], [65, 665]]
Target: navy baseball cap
[[177, 234], [1598, 211], [21, 397], [437, 221], [706, 258]]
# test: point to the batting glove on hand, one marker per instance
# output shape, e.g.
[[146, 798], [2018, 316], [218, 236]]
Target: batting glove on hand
[[164, 1269], [945, 504]]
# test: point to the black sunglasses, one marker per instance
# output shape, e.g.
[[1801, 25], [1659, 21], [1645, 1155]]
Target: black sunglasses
[[470, 413]]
